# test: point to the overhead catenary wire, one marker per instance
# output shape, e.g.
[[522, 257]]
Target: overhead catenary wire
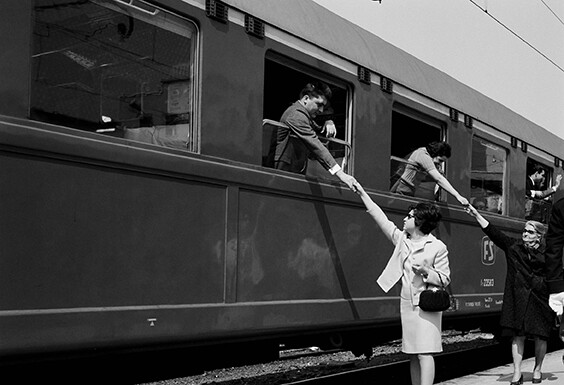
[[555, 15], [519, 37]]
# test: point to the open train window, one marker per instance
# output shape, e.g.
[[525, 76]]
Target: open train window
[[126, 70], [538, 197], [412, 130], [284, 80], [487, 176]]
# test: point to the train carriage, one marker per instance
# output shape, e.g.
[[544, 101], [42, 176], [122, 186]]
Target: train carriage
[[137, 205]]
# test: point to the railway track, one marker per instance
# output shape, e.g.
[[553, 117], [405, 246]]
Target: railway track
[[448, 366], [301, 365], [464, 354]]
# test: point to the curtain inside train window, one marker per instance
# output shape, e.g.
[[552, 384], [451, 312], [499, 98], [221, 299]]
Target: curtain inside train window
[[120, 68], [487, 176]]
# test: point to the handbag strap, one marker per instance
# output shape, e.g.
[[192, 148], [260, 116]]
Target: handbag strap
[[447, 288], [454, 304], [440, 279]]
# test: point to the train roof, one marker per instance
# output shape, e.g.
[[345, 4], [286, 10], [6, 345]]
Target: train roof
[[316, 24]]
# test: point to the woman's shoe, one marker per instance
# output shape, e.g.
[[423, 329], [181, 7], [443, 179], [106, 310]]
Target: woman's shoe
[[537, 380], [519, 382]]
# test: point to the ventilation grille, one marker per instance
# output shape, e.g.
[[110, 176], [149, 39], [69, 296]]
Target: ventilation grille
[[453, 115], [254, 26], [524, 146], [216, 10], [364, 75], [386, 84], [468, 121]]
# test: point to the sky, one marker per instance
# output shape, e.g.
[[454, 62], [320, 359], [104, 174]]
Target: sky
[[460, 39]]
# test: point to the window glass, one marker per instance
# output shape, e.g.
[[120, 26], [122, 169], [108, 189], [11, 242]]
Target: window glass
[[411, 133], [115, 69], [488, 171], [538, 195], [284, 80]]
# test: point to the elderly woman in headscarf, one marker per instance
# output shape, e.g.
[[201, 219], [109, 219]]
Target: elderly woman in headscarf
[[525, 312]]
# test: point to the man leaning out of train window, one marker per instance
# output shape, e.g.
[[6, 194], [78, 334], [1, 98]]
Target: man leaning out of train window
[[535, 181], [299, 139]]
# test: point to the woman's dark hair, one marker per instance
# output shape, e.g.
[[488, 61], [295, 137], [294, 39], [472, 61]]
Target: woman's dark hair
[[427, 216], [315, 89], [439, 149]]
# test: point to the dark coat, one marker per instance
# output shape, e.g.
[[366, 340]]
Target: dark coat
[[555, 245], [525, 298]]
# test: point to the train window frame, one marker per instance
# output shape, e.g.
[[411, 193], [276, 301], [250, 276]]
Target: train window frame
[[297, 75], [400, 150], [491, 204], [167, 118]]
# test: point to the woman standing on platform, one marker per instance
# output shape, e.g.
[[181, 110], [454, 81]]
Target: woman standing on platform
[[418, 259], [525, 311]]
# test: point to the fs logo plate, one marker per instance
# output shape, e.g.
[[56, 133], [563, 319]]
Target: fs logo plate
[[488, 251]]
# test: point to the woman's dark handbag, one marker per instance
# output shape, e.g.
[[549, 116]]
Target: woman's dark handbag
[[435, 298]]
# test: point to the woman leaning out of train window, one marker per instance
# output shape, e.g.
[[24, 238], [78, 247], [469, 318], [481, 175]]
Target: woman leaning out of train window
[[422, 162], [525, 311], [418, 259]]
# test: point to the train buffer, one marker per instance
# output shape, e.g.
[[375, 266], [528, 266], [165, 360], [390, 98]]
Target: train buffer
[[552, 372]]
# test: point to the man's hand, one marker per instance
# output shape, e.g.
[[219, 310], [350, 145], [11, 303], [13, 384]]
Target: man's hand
[[556, 302], [330, 129]]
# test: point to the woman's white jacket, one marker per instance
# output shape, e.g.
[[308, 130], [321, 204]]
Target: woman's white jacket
[[432, 253]]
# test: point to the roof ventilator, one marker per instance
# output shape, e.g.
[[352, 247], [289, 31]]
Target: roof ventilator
[[217, 10], [386, 84], [513, 142], [453, 115], [363, 75], [468, 121], [523, 146], [254, 26]]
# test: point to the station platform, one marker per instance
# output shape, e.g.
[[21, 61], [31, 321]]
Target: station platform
[[552, 373]]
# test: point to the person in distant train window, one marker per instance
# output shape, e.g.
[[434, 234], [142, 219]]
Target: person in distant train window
[[300, 139], [525, 311], [535, 181], [480, 203], [418, 259], [422, 162], [535, 207]]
